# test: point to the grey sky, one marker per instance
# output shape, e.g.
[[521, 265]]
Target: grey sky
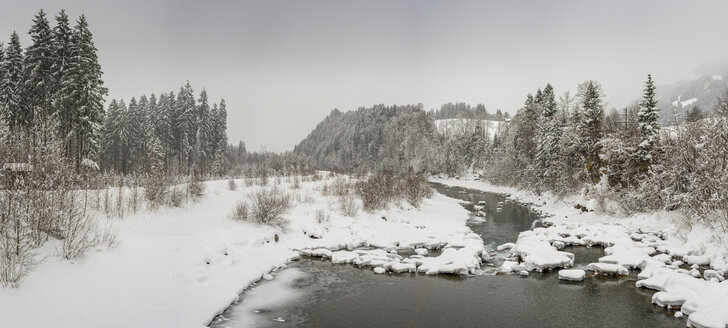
[[283, 65]]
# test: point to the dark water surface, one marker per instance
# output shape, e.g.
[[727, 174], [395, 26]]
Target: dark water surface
[[330, 295]]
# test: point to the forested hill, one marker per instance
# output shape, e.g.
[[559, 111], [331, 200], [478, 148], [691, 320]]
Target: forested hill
[[380, 138]]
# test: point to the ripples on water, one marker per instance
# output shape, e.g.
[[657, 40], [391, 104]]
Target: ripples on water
[[331, 295]]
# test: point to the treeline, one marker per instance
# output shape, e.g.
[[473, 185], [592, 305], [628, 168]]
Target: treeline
[[463, 110], [572, 146], [380, 138], [172, 133], [56, 79]]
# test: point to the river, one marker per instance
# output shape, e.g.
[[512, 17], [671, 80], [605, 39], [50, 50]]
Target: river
[[316, 293]]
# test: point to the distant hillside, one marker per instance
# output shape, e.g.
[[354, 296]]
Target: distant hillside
[[455, 127], [675, 99], [380, 138]]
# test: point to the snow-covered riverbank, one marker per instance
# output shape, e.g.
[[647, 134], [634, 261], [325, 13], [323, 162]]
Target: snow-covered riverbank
[[686, 265], [179, 267]]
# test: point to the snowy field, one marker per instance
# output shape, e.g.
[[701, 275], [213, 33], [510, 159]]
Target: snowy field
[[687, 266], [179, 267]]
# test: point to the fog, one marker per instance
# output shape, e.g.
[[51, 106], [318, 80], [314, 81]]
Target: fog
[[283, 65]]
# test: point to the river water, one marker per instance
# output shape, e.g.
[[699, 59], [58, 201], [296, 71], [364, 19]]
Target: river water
[[317, 293]]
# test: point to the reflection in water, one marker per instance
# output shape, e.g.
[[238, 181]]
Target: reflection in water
[[345, 296]]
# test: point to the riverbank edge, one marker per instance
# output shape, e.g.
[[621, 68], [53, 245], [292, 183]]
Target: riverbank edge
[[562, 211]]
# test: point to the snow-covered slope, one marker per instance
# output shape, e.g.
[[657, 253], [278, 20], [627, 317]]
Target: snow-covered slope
[[179, 267], [675, 99]]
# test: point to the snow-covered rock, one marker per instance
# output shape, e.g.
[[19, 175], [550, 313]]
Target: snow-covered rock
[[572, 274], [608, 269]]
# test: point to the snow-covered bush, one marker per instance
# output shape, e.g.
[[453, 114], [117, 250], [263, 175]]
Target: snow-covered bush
[[196, 187], [377, 191], [156, 189], [268, 205], [416, 188], [241, 212], [348, 205], [322, 216], [176, 196], [77, 228], [232, 185]]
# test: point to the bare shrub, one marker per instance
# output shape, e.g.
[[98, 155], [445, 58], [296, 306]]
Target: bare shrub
[[322, 216], [17, 255], [120, 199], [156, 189], [348, 205], [77, 229], [296, 182], [381, 189], [341, 187], [241, 211], [268, 205], [135, 196], [176, 196], [107, 237], [232, 186], [416, 188], [196, 188]]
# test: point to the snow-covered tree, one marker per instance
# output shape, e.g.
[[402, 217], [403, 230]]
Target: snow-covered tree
[[589, 129], [38, 68], [548, 148], [61, 56], [721, 107], [11, 86], [82, 96], [648, 125]]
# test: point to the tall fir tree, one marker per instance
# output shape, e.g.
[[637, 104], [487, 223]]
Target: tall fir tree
[[38, 68], [590, 130], [184, 110], [11, 87], [549, 136], [61, 56], [82, 96], [648, 125]]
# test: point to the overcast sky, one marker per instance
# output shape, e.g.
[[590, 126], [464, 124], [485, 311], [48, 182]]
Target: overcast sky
[[283, 65]]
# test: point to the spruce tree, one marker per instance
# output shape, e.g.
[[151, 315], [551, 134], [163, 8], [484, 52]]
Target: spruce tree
[[113, 134], [11, 87], [82, 96], [38, 73], [184, 110], [61, 57], [721, 107], [548, 101], [648, 126], [590, 130], [549, 136]]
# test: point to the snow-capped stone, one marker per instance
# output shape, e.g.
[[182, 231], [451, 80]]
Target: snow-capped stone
[[572, 274]]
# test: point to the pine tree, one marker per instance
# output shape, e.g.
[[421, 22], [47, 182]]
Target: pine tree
[[113, 138], [11, 87], [648, 126], [548, 101], [549, 136], [184, 110], [163, 127], [82, 96], [61, 57], [721, 107], [2, 77], [38, 73], [590, 130], [203, 133]]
